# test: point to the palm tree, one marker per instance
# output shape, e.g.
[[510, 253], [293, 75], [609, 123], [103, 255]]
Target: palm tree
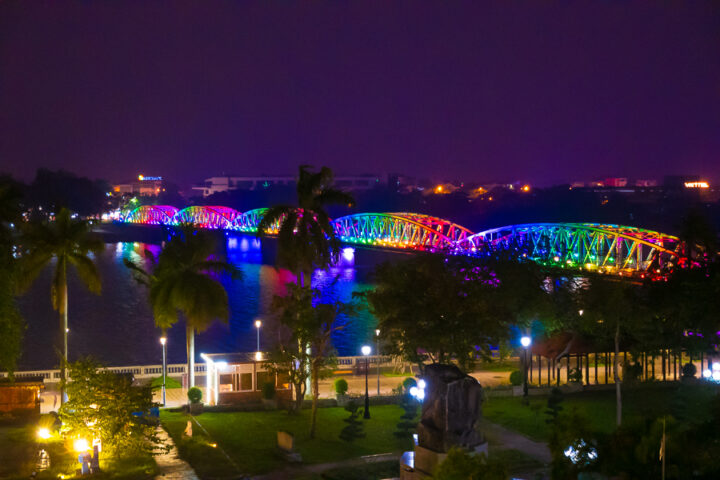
[[70, 242], [185, 280], [306, 239]]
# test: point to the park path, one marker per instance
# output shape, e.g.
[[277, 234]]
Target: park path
[[511, 439], [298, 470], [171, 466]]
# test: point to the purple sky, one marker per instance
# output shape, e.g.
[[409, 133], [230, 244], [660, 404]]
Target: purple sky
[[504, 90]]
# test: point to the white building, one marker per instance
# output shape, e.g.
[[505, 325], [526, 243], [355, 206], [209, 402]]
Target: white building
[[227, 183]]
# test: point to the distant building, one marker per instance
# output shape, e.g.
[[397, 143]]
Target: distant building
[[616, 182], [143, 186], [228, 183]]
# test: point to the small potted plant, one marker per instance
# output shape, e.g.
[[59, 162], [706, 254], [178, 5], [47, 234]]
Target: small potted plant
[[268, 395], [341, 388], [195, 398]]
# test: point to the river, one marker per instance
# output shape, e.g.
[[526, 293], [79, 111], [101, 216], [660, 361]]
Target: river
[[117, 327]]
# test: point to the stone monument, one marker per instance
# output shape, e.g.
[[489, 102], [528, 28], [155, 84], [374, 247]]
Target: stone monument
[[450, 418]]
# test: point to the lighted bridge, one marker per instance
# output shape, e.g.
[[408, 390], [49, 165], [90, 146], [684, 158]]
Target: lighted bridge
[[591, 246]]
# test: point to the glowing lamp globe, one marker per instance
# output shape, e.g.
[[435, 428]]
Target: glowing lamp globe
[[81, 445], [706, 373], [525, 341], [258, 323], [43, 433], [366, 350]]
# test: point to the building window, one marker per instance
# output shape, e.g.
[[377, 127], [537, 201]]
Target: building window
[[245, 382], [225, 382], [283, 381], [263, 378]]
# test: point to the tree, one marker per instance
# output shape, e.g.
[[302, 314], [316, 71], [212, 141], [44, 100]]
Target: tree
[[102, 405], [70, 242], [184, 280], [308, 325], [698, 236], [614, 311], [306, 239], [445, 308], [12, 324], [354, 428]]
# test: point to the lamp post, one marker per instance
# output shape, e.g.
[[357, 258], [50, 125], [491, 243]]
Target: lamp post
[[366, 352], [525, 341], [377, 355], [258, 324], [163, 341]]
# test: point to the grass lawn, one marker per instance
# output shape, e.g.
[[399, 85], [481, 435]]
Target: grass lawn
[[598, 407], [250, 438], [19, 448]]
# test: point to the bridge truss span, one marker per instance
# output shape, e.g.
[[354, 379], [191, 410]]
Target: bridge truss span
[[606, 248], [590, 246], [152, 215], [208, 217], [399, 230]]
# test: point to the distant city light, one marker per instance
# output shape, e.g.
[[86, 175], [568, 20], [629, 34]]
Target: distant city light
[[697, 185], [525, 188]]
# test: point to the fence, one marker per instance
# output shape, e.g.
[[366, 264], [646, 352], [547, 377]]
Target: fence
[[175, 369]]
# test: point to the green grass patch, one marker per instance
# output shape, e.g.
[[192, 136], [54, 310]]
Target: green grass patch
[[250, 438], [599, 407], [169, 383]]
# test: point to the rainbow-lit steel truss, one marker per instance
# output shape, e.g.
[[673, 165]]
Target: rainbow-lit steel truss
[[606, 248]]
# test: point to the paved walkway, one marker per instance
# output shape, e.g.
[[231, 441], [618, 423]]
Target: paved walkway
[[510, 439], [171, 466], [298, 470]]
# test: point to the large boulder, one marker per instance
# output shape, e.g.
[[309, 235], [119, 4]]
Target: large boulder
[[451, 411]]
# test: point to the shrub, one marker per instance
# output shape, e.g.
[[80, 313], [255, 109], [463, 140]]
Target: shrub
[[268, 390], [575, 375], [689, 370], [459, 464], [103, 405], [341, 386], [194, 395], [632, 371], [408, 383], [516, 378], [354, 428]]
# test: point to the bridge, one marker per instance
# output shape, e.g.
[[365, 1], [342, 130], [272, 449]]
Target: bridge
[[605, 248]]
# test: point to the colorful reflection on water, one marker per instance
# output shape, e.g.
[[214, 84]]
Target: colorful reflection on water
[[117, 327]]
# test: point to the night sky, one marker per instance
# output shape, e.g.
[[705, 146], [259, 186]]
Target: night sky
[[506, 90]]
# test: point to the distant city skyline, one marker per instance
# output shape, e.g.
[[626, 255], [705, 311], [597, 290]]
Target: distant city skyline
[[484, 91]]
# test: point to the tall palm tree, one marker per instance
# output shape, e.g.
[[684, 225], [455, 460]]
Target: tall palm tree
[[184, 280], [70, 242], [306, 240]]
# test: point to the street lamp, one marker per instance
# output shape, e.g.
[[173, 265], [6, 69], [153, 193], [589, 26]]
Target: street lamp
[[366, 352], [377, 355], [525, 341], [163, 341], [258, 324]]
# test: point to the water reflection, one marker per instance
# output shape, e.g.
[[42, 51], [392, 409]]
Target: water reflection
[[117, 327]]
